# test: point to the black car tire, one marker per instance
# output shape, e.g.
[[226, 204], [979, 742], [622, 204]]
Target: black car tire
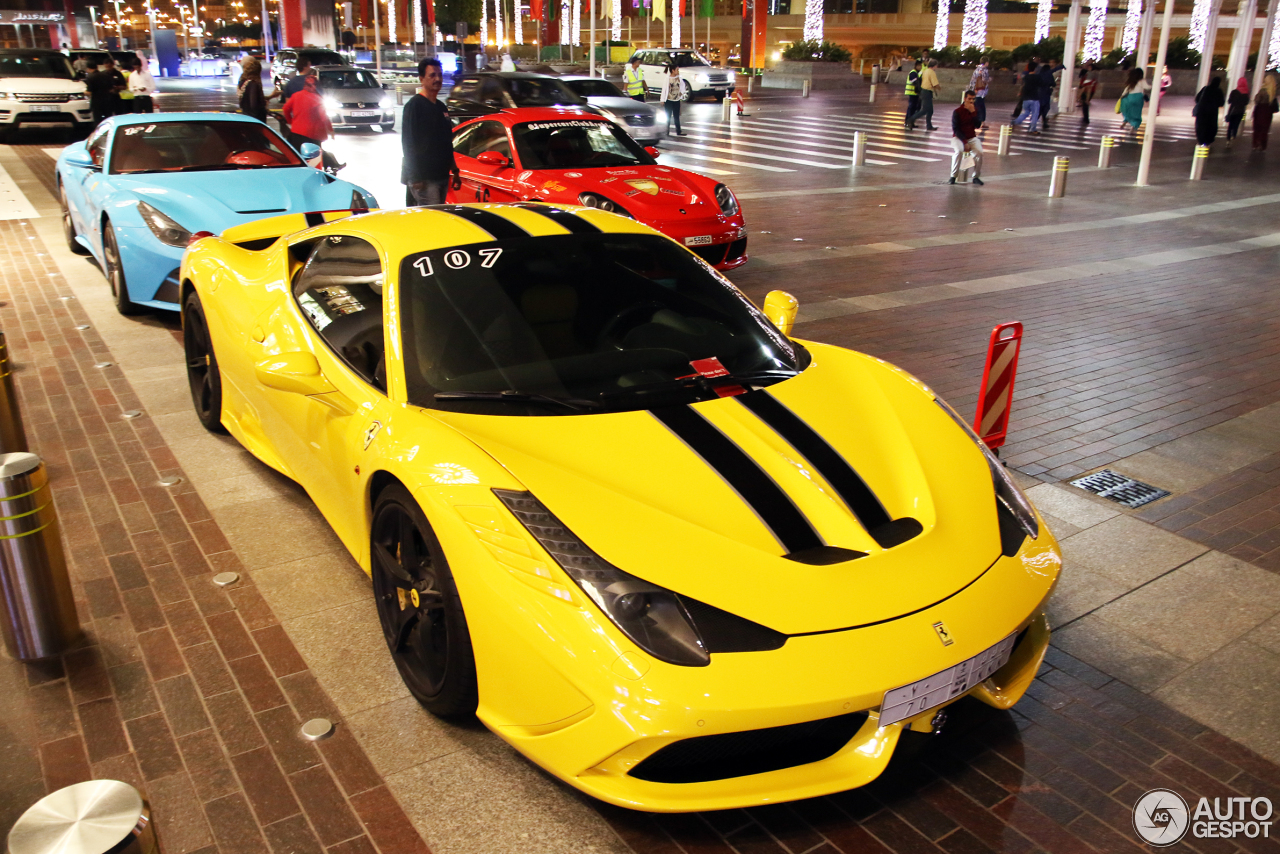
[[203, 375], [419, 607], [115, 272], [68, 225]]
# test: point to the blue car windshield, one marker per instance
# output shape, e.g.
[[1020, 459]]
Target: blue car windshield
[[198, 146]]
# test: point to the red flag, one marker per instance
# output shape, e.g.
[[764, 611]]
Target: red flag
[[431, 20], [535, 9]]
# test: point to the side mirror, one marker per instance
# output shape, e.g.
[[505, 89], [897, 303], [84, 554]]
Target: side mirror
[[781, 309], [296, 372], [309, 151], [81, 159], [493, 158], [652, 152]]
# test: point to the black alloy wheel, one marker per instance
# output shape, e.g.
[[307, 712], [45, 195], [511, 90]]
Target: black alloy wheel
[[68, 226], [418, 604], [203, 375], [115, 272]]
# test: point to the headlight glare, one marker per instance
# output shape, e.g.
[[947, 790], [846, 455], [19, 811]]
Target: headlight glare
[[166, 230], [387, 102], [728, 203], [595, 200], [651, 616], [1008, 494]]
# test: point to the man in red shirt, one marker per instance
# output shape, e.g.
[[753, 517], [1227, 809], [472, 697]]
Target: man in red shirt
[[964, 138]]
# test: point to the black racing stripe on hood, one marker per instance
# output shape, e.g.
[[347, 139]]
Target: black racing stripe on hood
[[499, 226], [774, 507], [847, 483], [568, 220]]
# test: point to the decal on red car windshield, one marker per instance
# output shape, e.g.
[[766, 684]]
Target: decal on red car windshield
[[566, 124]]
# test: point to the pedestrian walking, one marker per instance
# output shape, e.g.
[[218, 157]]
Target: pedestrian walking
[[1048, 82], [1088, 88], [1208, 101], [305, 112], [426, 139], [929, 88], [980, 82], [913, 91], [295, 84], [142, 83], [966, 148], [1237, 104], [1030, 100], [1264, 107], [1020, 77], [1166, 80], [1136, 92], [252, 100], [673, 94], [633, 77]]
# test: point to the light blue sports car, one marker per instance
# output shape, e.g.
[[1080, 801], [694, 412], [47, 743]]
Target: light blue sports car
[[141, 185]]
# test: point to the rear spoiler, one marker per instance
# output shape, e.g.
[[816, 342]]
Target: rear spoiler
[[261, 233]]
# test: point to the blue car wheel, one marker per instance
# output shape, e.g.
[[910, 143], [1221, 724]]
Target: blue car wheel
[[115, 272]]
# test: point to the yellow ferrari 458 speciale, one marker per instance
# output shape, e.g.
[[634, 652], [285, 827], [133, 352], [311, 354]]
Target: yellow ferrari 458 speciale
[[677, 558]]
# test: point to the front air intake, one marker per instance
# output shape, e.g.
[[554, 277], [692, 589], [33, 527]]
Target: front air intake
[[740, 754]]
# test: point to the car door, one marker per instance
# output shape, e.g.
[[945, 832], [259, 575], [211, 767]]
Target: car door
[[323, 426], [95, 187], [482, 181], [76, 181]]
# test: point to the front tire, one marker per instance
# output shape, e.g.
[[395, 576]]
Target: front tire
[[203, 374], [418, 605], [68, 225], [115, 273]]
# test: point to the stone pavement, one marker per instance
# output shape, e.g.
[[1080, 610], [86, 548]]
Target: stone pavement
[[1167, 643]]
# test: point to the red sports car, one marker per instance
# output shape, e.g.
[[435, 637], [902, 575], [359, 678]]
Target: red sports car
[[573, 157]]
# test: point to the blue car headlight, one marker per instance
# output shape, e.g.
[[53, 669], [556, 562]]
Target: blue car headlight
[[166, 230]]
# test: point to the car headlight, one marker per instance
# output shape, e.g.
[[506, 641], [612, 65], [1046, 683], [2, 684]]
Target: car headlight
[[728, 203], [387, 102], [332, 105], [651, 616], [594, 200], [1017, 518], [164, 228]]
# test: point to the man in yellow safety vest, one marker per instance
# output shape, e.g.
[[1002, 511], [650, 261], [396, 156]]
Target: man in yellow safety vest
[[913, 89], [634, 79]]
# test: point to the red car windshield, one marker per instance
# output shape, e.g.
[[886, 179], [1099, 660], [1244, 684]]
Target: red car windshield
[[198, 146], [576, 144]]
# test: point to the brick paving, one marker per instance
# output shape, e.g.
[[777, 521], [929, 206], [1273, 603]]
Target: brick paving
[[191, 692]]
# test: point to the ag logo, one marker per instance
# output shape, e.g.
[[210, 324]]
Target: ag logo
[[944, 634], [644, 185], [1160, 817]]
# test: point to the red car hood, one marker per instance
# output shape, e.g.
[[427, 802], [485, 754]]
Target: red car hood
[[648, 192]]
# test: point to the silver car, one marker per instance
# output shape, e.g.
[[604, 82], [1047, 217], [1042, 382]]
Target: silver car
[[354, 98], [646, 124]]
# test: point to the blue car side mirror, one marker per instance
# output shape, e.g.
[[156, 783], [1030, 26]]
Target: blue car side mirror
[[310, 151], [81, 159]]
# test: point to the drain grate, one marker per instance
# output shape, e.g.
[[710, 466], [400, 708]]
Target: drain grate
[[1120, 489]]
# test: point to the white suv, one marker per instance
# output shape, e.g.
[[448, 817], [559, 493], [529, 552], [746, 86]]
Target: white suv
[[697, 76], [39, 87]]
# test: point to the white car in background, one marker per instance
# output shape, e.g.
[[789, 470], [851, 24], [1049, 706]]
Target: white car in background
[[39, 87], [698, 76]]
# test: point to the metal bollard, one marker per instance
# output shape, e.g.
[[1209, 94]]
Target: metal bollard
[[804, 88], [13, 439], [751, 84], [39, 611], [1104, 152], [875, 80], [859, 148], [726, 109], [1197, 162], [1058, 179], [94, 817], [1006, 134]]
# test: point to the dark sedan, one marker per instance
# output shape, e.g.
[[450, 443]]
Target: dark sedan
[[486, 92]]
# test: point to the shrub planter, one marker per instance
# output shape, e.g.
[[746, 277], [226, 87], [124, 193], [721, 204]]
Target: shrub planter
[[791, 74]]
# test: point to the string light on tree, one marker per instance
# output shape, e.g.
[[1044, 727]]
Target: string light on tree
[[675, 22], [940, 29], [417, 21], [484, 24], [1043, 8], [1132, 23], [1095, 30], [1199, 24], [617, 20], [813, 20], [391, 22], [1273, 51], [974, 31], [577, 22], [566, 23], [517, 26], [499, 30]]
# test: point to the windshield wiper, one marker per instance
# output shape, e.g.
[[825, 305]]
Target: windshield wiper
[[512, 396]]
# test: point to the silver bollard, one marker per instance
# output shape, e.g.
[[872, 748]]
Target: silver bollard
[[35, 593], [804, 88], [751, 84], [94, 817], [1006, 134], [726, 109], [1104, 152], [1058, 179], [1197, 162], [875, 80], [13, 439], [859, 148]]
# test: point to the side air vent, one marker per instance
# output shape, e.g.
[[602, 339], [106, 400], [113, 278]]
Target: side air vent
[[757, 751], [257, 244]]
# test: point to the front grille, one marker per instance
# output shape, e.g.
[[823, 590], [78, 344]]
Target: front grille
[[372, 106], [638, 120], [739, 754], [713, 254], [737, 249], [46, 98]]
